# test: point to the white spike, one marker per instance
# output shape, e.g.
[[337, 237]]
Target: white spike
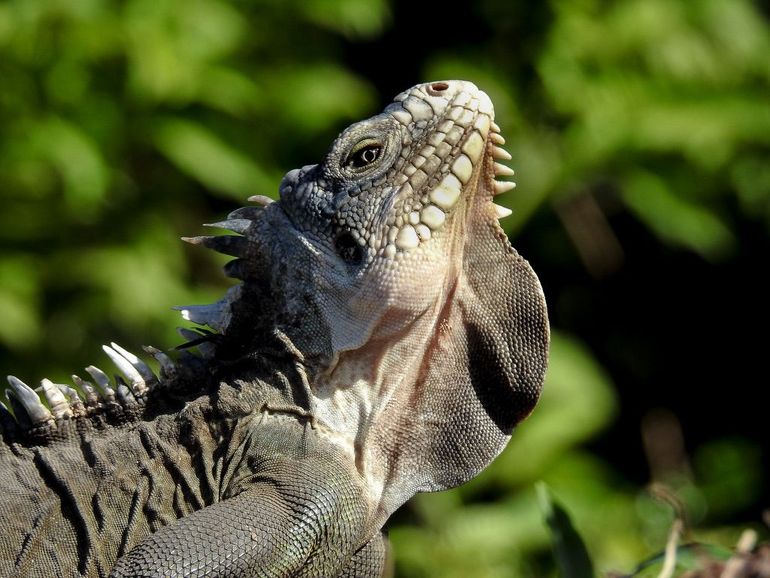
[[497, 138], [503, 170], [495, 126], [70, 393], [75, 403], [60, 407], [260, 200], [503, 187], [102, 382], [211, 315], [135, 378], [147, 374], [235, 225], [92, 398], [502, 212], [500, 153], [25, 395], [167, 366]]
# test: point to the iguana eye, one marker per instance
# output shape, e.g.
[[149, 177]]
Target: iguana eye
[[364, 155]]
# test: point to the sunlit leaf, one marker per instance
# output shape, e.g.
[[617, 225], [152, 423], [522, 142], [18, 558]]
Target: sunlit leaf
[[20, 324], [354, 18], [571, 554], [675, 219], [317, 96], [202, 155], [76, 159]]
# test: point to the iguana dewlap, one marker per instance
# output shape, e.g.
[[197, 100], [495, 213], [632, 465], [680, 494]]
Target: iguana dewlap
[[385, 339]]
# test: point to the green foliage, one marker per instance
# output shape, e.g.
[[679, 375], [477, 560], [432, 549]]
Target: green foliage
[[124, 125], [572, 558]]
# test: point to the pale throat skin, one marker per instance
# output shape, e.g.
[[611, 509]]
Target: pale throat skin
[[380, 226], [385, 339]]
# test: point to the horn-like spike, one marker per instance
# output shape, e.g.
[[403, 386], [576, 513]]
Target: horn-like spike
[[7, 421], [503, 187], [503, 170], [60, 407], [210, 315], [496, 138], [19, 412], [136, 380], [125, 397], [189, 334], [167, 366], [29, 400], [102, 383], [235, 225], [73, 399], [89, 393], [260, 200], [494, 126], [502, 212], [226, 244], [144, 370], [500, 153], [198, 340], [249, 213]]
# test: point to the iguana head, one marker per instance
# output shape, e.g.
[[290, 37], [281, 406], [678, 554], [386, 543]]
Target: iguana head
[[424, 332]]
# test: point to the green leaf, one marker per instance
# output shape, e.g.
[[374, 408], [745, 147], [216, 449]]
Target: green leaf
[[77, 160], [675, 219], [353, 18], [571, 554], [202, 155], [688, 557], [318, 96], [19, 281]]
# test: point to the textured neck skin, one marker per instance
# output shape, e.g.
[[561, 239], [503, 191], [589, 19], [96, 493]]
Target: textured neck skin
[[410, 314], [385, 339]]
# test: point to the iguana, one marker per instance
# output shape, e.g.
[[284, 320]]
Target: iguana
[[384, 339]]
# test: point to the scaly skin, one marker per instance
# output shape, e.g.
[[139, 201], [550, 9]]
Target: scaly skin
[[385, 340]]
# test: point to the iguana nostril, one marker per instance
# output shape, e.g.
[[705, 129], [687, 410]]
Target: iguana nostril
[[439, 87]]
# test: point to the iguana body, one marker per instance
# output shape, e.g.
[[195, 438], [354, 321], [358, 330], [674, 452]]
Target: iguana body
[[385, 340]]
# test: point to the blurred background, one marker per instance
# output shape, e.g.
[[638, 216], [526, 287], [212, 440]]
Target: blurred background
[[640, 133]]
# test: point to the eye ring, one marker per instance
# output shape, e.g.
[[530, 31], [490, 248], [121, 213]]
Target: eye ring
[[363, 155]]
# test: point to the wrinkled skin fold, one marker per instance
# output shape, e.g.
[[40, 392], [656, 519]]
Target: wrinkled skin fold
[[384, 339]]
